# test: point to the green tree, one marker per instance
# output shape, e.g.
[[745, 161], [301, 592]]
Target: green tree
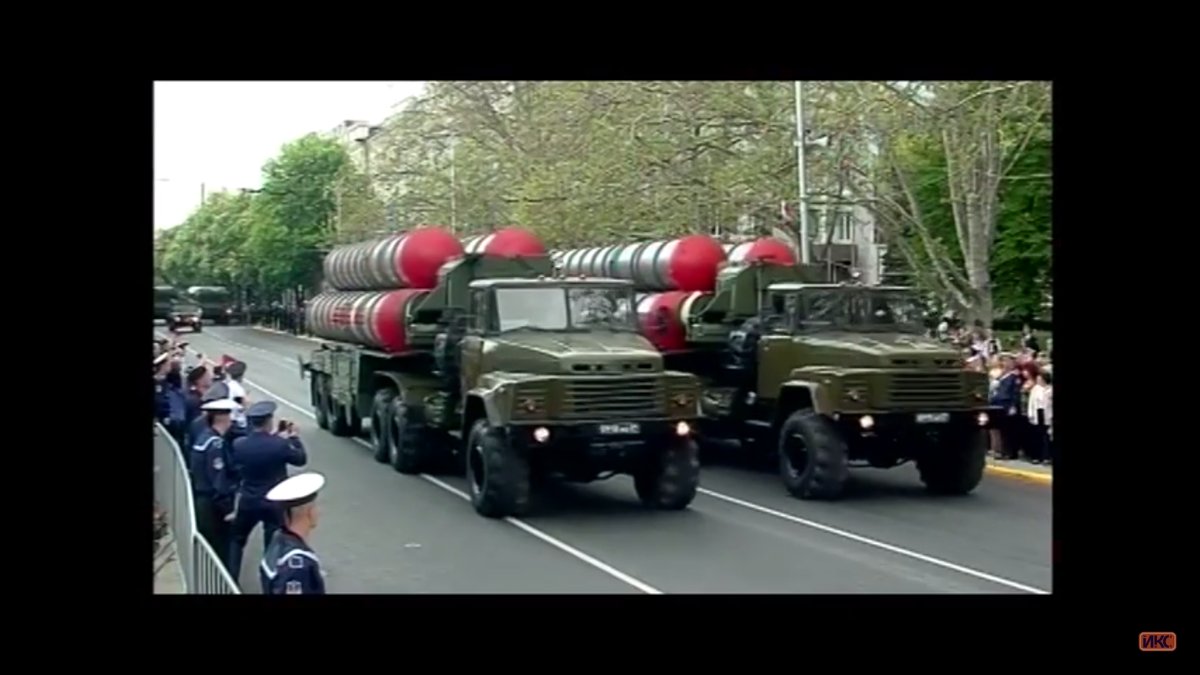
[[207, 248], [981, 131], [296, 213]]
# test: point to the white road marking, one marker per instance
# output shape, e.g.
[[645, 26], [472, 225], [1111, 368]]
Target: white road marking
[[875, 543], [519, 524], [978, 574], [274, 358]]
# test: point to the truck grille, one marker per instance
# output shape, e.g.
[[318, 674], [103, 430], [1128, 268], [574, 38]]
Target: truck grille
[[927, 390], [614, 398]]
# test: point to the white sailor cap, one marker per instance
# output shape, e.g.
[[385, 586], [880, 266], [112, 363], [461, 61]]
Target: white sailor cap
[[221, 405], [297, 490]]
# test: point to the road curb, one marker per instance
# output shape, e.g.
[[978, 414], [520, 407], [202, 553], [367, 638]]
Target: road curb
[[284, 333], [1021, 474]]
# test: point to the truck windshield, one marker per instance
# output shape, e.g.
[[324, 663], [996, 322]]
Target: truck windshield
[[893, 310], [564, 309], [861, 309]]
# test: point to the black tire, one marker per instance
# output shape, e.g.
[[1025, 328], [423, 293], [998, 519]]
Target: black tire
[[671, 479], [813, 458], [381, 424], [498, 476], [354, 422], [197, 328], [954, 465], [409, 451], [338, 424], [318, 401]]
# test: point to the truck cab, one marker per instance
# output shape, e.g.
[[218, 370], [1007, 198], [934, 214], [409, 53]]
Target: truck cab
[[842, 374], [217, 302], [185, 313], [558, 382]]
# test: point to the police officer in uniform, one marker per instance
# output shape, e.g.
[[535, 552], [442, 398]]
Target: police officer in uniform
[[198, 382], [213, 482], [289, 566], [260, 460], [217, 392]]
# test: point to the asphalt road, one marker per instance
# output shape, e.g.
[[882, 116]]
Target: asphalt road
[[384, 532]]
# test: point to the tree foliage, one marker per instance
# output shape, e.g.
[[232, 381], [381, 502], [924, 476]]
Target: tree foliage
[[271, 239], [957, 175]]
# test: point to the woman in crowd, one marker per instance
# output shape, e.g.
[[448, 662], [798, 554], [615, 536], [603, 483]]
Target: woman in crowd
[[1040, 411], [1006, 395]]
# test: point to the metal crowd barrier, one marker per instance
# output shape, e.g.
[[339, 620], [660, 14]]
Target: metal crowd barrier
[[203, 573]]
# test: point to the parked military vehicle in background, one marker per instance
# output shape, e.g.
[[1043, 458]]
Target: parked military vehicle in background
[[502, 366], [817, 376], [218, 304], [164, 296]]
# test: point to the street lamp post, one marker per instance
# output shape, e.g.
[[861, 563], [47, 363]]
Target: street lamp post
[[802, 203]]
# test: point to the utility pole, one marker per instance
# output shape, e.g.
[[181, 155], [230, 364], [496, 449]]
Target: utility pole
[[202, 195], [453, 190], [803, 196]]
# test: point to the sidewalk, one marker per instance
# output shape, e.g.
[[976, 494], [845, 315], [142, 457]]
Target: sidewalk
[[168, 579]]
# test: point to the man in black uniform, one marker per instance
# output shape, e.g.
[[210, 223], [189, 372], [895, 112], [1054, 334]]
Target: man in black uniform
[[289, 566], [213, 481], [260, 460]]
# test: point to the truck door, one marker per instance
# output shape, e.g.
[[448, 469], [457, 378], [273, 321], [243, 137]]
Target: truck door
[[472, 344]]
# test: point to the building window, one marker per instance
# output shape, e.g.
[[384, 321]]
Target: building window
[[843, 233]]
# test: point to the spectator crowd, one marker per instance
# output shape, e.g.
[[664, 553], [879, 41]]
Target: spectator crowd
[[237, 455], [1021, 386]]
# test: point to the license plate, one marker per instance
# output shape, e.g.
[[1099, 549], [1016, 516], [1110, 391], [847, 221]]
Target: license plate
[[619, 429], [933, 418]]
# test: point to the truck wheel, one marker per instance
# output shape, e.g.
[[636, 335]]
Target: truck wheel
[[813, 458], [354, 421], [381, 424], [338, 424], [318, 402], [954, 465], [407, 450], [498, 475], [672, 477]]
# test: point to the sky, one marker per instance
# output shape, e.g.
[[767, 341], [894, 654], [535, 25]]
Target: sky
[[220, 134]]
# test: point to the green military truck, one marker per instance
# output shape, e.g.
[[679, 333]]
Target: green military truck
[[185, 313], [217, 303], [826, 376], [164, 297], [519, 375]]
